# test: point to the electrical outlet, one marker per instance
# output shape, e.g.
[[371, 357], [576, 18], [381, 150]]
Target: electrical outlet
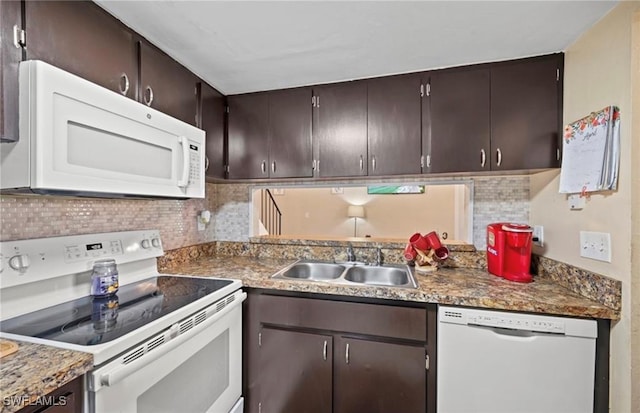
[[538, 235], [595, 245]]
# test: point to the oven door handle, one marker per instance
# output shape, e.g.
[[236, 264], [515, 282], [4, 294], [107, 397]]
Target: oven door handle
[[120, 371]]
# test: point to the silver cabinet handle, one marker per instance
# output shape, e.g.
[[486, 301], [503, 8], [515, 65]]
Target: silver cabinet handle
[[428, 161], [263, 166], [124, 84], [148, 95], [324, 351], [346, 354], [499, 152], [483, 157], [361, 163], [273, 166], [373, 162], [206, 163]]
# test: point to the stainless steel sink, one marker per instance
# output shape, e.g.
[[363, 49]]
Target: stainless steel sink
[[349, 273], [388, 276], [316, 271]]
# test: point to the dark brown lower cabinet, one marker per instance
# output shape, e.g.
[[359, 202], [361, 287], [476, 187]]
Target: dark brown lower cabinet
[[66, 399], [376, 377], [316, 354], [297, 371]]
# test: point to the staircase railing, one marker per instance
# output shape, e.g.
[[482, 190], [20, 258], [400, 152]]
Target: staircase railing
[[270, 215]]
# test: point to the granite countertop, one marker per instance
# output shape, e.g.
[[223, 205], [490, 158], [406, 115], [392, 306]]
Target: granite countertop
[[35, 370], [453, 286]]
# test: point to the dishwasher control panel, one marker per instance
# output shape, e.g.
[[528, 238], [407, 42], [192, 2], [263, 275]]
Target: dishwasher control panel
[[516, 323], [495, 319]]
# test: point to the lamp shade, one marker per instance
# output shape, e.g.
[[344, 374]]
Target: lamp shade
[[355, 211]]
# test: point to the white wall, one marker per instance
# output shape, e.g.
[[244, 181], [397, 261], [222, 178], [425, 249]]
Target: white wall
[[597, 74]]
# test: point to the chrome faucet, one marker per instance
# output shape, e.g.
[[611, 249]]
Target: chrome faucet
[[379, 257], [351, 255]]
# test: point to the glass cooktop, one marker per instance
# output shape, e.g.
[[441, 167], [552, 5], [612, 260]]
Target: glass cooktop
[[91, 320]]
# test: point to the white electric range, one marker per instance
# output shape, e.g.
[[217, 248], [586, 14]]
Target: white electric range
[[161, 343]]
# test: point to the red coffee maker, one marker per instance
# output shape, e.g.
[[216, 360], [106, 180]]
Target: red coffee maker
[[509, 251]]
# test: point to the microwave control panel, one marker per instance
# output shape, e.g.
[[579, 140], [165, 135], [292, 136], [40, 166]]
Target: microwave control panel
[[194, 162]]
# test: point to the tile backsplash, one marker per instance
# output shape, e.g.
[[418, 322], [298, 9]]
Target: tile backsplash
[[22, 217]]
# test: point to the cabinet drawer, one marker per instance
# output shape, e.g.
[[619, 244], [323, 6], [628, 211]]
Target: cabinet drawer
[[356, 318]]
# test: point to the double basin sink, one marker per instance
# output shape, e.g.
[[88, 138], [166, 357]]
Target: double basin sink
[[349, 273]]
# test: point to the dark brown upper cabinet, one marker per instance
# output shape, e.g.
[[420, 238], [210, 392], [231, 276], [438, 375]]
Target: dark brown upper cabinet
[[248, 141], [211, 115], [340, 129], [394, 125], [526, 113], [10, 57], [82, 38], [290, 150], [270, 134], [296, 371], [456, 120], [166, 85]]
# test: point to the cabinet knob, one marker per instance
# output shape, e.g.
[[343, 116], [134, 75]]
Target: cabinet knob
[[499, 160], [124, 84], [263, 166], [361, 163], [148, 96], [373, 162], [273, 166], [483, 158]]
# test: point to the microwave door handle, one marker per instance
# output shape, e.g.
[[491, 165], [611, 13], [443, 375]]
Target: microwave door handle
[[184, 179]]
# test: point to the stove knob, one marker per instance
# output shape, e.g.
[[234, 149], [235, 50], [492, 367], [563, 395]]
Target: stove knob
[[19, 262], [156, 242], [145, 244]]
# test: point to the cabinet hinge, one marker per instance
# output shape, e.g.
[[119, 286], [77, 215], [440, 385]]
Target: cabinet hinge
[[426, 362], [557, 75], [428, 89], [259, 339], [421, 90], [19, 38]]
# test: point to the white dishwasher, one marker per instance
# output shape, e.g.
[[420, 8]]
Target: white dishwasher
[[501, 362]]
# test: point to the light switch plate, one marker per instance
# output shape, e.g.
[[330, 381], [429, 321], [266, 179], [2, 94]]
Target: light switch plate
[[595, 245]]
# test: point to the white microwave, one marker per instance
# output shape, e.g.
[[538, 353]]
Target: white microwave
[[78, 138]]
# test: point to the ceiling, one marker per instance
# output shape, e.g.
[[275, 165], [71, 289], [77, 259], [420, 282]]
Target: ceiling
[[247, 46]]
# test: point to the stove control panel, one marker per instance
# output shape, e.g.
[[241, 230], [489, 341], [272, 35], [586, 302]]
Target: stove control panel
[[34, 260]]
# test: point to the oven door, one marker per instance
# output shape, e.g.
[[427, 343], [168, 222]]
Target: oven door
[[194, 366]]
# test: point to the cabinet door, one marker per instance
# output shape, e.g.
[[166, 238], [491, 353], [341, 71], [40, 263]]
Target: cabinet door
[[379, 377], [290, 151], [166, 85], [460, 120], [10, 57], [526, 113], [394, 125], [248, 136], [68, 398], [295, 372], [82, 38], [340, 129], [211, 120]]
